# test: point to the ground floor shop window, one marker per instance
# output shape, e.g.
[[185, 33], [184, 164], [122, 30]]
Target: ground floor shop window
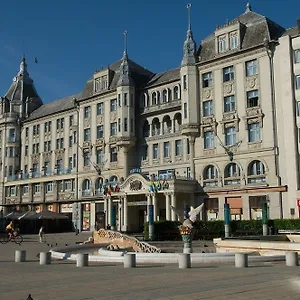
[[255, 206], [211, 209]]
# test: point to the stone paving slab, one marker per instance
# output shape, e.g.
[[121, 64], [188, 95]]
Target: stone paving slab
[[63, 280]]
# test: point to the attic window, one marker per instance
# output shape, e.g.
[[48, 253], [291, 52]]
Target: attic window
[[222, 43], [234, 41], [100, 84]]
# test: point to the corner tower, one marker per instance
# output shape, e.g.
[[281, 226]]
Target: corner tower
[[126, 108], [190, 92]]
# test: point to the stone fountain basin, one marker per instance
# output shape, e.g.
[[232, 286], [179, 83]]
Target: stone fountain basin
[[263, 245], [107, 256]]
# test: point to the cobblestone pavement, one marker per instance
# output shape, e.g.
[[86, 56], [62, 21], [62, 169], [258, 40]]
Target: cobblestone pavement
[[63, 280]]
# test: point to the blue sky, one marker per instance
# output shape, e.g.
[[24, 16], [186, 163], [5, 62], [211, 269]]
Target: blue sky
[[72, 38]]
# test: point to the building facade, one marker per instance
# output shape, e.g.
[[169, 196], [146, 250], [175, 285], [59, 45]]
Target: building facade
[[223, 127]]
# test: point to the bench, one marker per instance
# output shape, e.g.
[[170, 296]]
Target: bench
[[281, 231]]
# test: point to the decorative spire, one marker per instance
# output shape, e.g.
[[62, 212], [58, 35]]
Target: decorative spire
[[189, 46], [124, 79], [248, 7], [23, 68]]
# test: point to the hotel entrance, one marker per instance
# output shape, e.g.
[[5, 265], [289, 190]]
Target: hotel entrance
[[137, 213]]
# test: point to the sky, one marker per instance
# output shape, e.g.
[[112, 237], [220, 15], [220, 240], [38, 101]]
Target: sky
[[73, 38]]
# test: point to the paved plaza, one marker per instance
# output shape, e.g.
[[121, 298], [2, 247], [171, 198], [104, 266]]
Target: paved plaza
[[63, 280]]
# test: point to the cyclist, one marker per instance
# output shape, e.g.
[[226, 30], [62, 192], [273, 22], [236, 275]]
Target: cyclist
[[10, 229]]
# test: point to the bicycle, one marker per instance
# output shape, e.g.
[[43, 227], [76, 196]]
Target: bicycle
[[18, 239]]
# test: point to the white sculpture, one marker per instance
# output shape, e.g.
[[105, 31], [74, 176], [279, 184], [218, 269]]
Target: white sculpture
[[188, 222]]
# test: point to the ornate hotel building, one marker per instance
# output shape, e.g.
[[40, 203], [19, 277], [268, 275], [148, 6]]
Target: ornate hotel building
[[223, 127]]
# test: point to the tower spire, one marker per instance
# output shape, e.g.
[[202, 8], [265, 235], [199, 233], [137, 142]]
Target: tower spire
[[23, 67], [124, 79], [189, 47], [248, 7], [189, 16], [125, 43]]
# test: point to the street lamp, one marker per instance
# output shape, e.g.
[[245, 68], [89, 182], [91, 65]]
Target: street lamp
[[270, 46]]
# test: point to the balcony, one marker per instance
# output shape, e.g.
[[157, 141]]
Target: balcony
[[163, 106]]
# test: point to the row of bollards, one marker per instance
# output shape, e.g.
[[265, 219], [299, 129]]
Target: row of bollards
[[184, 259]]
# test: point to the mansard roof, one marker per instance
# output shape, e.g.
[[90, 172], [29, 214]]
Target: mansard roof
[[254, 29], [139, 75], [164, 77], [294, 31]]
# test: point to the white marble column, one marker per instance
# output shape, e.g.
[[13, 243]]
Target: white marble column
[[109, 206], [125, 214], [155, 208], [106, 211], [149, 202], [168, 209], [173, 203]]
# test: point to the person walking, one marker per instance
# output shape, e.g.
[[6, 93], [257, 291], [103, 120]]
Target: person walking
[[42, 234]]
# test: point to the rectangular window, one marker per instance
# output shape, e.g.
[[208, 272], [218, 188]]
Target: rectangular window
[[297, 56], [254, 132], [49, 187], [99, 131], [75, 137], [184, 79], [86, 159], [207, 108], [71, 121], [178, 147], [99, 108], [68, 185], [144, 152], [298, 82], [209, 140], [185, 110], [113, 128], [114, 154], [230, 136], [70, 141], [155, 151], [298, 108], [26, 150], [125, 99], [251, 68], [188, 146], [125, 125], [87, 112], [12, 135], [87, 134], [26, 132], [113, 105], [99, 156], [74, 160], [252, 98], [119, 100], [222, 44], [70, 163], [228, 74], [60, 123], [167, 152], [207, 79], [131, 125], [229, 103], [234, 41]]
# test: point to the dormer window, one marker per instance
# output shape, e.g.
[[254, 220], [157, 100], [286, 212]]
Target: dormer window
[[100, 84], [222, 43], [154, 98], [234, 41], [97, 84]]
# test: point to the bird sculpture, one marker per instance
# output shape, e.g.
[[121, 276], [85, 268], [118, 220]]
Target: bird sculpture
[[188, 222]]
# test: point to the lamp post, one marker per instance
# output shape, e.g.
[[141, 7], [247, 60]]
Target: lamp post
[[77, 218], [270, 47]]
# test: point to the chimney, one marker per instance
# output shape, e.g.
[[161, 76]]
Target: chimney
[[298, 25]]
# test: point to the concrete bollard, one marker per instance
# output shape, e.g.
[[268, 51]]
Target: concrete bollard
[[82, 260], [241, 260], [184, 261], [129, 260], [265, 229], [291, 259], [45, 258], [20, 256]]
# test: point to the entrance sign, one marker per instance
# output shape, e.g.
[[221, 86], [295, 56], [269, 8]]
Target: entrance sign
[[137, 203]]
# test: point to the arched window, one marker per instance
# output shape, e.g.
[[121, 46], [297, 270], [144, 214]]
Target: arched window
[[155, 127], [256, 172], [158, 97], [145, 100], [154, 98], [176, 93], [165, 96], [167, 124], [232, 174], [113, 179], [210, 176], [86, 187], [99, 186], [177, 122]]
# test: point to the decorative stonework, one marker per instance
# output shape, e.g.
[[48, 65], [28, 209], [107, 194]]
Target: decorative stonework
[[252, 83], [87, 123], [254, 146], [230, 120], [253, 115], [99, 119], [179, 158], [156, 161], [135, 185], [46, 156], [145, 162], [209, 152], [100, 142], [87, 144], [228, 88], [207, 93], [59, 153], [113, 116], [167, 160], [112, 139], [35, 158]]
